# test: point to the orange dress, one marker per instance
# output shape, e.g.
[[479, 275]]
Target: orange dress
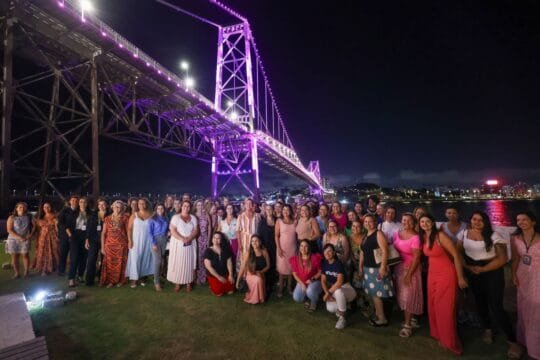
[[47, 252], [115, 244], [441, 297]]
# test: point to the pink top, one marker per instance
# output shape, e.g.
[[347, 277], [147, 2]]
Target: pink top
[[302, 271], [341, 221], [406, 247]]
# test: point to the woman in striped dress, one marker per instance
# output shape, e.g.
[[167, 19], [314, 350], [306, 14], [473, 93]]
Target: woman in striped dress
[[114, 247], [184, 229]]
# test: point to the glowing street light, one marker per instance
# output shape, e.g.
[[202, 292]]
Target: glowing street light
[[86, 7], [189, 82], [184, 65], [234, 115], [230, 103]]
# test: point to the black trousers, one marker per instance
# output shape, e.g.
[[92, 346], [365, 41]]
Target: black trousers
[[91, 264], [488, 290], [77, 254], [64, 251]]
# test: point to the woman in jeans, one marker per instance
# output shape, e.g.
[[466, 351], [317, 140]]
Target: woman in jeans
[[158, 228], [306, 270]]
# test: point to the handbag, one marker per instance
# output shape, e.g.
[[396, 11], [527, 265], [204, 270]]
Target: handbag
[[393, 256]]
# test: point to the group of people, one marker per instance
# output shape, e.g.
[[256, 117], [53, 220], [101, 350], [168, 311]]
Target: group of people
[[315, 252]]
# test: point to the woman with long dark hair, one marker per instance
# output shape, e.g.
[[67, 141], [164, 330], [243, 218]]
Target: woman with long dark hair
[[486, 252], [285, 247], [158, 226], [93, 239], [254, 269], [219, 266], [47, 246], [526, 278], [306, 270], [445, 274]]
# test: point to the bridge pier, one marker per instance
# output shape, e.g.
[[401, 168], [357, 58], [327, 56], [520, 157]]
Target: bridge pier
[[7, 108]]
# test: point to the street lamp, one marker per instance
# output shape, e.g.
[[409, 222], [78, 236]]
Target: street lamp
[[86, 6], [189, 82]]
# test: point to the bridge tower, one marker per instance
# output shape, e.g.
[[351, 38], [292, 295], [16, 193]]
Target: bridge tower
[[235, 158]]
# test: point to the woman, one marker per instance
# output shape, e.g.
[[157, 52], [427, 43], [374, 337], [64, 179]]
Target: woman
[[140, 262], [254, 269], [338, 216], [408, 272], [351, 217], [306, 270], [377, 282], [340, 242], [285, 247], [114, 246], [158, 226], [205, 232], [445, 274], [219, 266], [359, 209], [526, 277], [47, 247], [266, 231], [307, 228], [389, 226], [93, 240], [485, 254], [337, 292], [183, 248], [133, 204], [356, 249], [77, 250], [228, 226], [19, 228], [418, 211], [248, 222], [453, 226], [322, 221]]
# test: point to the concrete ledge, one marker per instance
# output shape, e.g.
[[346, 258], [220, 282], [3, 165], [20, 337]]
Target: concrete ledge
[[16, 322]]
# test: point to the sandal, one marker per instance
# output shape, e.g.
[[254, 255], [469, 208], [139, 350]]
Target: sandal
[[311, 308], [377, 323], [189, 288], [177, 288], [406, 331], [307, 304]]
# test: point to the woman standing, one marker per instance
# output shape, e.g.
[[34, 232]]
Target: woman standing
[[445, 274], [19, 226], [228, 226], [254, 269], [454, 225], [351, 217], [47, 247], [77, 250], [338, 216], [356, 249], [183, 248], [266, 231], [114, 247], [337, 291], [286, 247], [158, 227], [140, 263], [307, 228], [408, 273], [205, 232], [219, 265], [306, 270], [93, 240], [526, 277], [377, 282], [485, 253], [338, 240], [322, 220]]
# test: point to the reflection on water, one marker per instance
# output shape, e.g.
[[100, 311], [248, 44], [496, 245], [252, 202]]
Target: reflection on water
[[501, 212]]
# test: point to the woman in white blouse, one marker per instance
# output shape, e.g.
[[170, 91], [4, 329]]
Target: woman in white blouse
[[485, 254]]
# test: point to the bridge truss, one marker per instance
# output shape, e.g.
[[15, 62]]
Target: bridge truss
[[68, 78]]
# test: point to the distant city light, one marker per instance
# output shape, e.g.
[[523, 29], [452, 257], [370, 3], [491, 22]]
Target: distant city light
[[492, 182]]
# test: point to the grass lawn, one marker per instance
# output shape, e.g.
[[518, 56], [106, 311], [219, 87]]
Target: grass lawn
[[125, 323]]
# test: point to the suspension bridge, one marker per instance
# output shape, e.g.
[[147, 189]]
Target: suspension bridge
[[69, 78]]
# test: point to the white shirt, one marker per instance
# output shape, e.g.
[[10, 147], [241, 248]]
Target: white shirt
[[182, 227], [229, 230], [476, 250], [389, 229]]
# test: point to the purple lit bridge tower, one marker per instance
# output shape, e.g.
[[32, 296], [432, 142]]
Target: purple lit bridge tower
[[68, 79]]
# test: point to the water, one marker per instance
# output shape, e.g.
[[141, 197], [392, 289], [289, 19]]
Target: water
[[501, 212]]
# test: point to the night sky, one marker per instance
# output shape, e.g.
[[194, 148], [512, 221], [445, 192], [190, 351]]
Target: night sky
[[392, 92]]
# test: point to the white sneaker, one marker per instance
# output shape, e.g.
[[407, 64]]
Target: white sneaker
[[341, 323]]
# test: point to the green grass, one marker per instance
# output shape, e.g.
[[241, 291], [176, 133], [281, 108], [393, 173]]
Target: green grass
[[139, 323]]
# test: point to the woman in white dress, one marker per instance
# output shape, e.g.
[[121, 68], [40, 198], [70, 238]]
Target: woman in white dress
[[140, 261], [183, 248]]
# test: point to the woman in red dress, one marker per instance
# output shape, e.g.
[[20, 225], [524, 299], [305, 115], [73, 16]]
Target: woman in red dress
[[444, 277], [114, 247], [47, 249]]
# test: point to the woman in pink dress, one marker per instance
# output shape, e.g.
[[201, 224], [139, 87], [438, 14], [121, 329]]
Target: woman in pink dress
[[444, 277], [286, 247], [307, 228], [408, 273], [254, 270], [338, 216], [526, 277]]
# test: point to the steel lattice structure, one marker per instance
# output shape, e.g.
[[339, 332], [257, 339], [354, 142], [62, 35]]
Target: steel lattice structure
[[75, 78]]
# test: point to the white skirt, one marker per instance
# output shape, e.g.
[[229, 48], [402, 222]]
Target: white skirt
[[182, 262]]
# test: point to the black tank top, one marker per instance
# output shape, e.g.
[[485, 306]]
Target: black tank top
[[260, 263], [368, 245]]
